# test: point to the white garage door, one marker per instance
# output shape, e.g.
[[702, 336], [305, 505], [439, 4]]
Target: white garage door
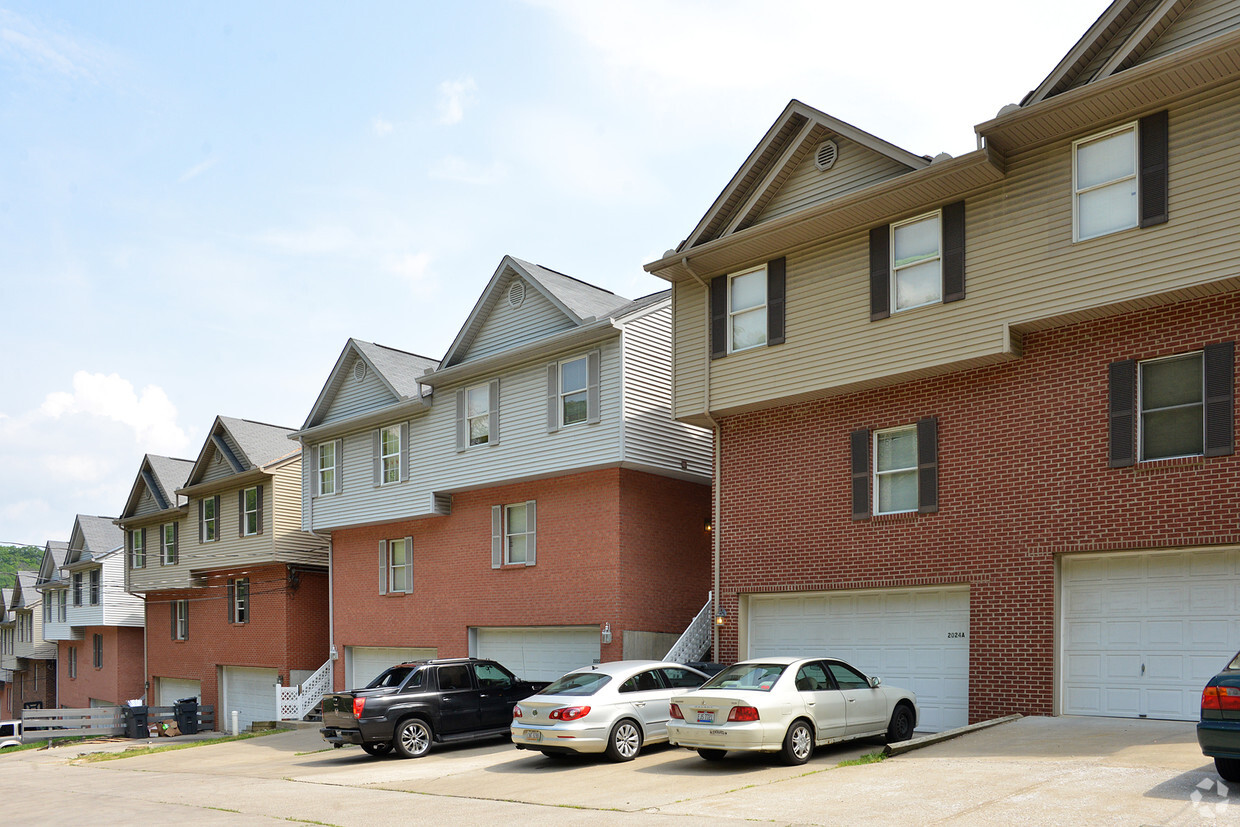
[[171, 690], [540, 654], [365, 663], [250, 692], [912, 638], [1142, 633]]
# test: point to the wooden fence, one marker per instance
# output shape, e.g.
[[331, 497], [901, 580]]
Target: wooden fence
[[46, 724]]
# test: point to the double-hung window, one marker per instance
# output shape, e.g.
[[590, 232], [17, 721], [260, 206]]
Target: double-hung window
[[396, 566], [72, 662], [904, 474], [389, 454], [574, 385], [95, 584], [62, 612], [168, 544], [208, 519], [1104, 182], [239, 600], [916, 262], [180, 620], [77, 588], [251, 511], [895, 470], [47, 607], [327, 467], [513, 533], [137, 548], [478, 414], [98, 660], [747, 309]]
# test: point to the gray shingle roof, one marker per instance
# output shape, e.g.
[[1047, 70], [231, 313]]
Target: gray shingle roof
[[262, 444], [400, 369], [99, 534], [585, 300], [170, 474], [23, 591], [6, 595]]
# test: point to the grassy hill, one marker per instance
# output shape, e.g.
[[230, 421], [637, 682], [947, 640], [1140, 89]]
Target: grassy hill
[[17, 558]]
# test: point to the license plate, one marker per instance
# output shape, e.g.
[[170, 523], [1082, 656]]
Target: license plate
[[705, 717], [532, 735]]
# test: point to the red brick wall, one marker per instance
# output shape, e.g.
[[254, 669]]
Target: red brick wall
[[121, 676], [593, 547], [1023, 477], [263, 642], [37, 682]]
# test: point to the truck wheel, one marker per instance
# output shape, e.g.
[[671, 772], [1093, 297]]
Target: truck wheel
[[377, 749], [413, 738]]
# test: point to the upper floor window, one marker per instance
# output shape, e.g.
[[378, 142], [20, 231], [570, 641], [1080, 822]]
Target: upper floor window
[[239, 600], [396, 560], [62, 613], [389, 454], [478, 414], [1171, 403], [95, 583], [1104, 182], [916, 274], [137, 548], [168, 537], [209, 519], [327, 467], [904, 474], [180, 619], [47, 606], [513, 533], [251, 502], [574, 382], [747, 309], [77, 588]]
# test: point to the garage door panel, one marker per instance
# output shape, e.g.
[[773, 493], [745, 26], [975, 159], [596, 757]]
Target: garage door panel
[[172, 690], [540, 654], [1123, 633], [251, 693], [1212, 564], [368, 662]]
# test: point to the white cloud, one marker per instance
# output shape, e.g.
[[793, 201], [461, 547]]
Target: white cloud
[[197, 169], [152, 416], [454, 96], [381, 127], [36, 49], [456, 168]]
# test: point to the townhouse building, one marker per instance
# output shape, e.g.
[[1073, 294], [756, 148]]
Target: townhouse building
[[33, 659], [235, 591], [8, 659], [975, 415], [527, 498]]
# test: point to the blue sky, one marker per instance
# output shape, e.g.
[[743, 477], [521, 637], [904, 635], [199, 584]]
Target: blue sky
[[200, 202]]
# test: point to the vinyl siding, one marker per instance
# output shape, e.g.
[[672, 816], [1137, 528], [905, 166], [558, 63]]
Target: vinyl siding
[[856, 167], [691, 353], [40, 649], [525, 449], [651, 436], [1021, 266], [146, 504], [218, 468], [156, 577], [55, 630], [354, 397], [1201, 20], [508, 327], [291, 543], [119, 608], [1123, 32]]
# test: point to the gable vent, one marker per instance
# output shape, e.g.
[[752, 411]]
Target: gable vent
[[825, 155], [359, 370], [516, 293]]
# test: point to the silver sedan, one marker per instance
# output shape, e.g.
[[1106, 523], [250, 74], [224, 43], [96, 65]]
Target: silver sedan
[[616, 708], [788, 705]]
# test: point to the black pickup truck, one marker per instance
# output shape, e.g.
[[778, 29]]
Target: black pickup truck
[[413, 705]]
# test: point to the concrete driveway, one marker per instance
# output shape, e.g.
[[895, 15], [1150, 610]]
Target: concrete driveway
[[1031, 771]]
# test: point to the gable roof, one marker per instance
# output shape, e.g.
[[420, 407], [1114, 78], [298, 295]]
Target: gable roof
[[795, 132], [5, 596], [397, 370], [578, 301], [23, 584], [1116, 41], [258, 444], [162, 476], [54, 554]]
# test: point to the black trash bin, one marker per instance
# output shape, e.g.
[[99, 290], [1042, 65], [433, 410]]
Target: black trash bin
[[136, 721], [186, 713]]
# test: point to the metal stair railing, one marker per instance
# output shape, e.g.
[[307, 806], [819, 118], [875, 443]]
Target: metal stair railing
[[696, 640]]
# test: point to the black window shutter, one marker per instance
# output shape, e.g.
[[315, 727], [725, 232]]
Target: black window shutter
[[1153, 148], [927, 465], [201, 515], [219, 523], [880, 273], [718, 317], [1123, 412], [260, 509], [1220, 368], [775, 290], [241, 513], [860, 445], [953, 252], [232, 601]]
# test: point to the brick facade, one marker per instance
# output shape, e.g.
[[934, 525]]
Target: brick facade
[[1023, 478], [287, 630], [614, 545], [37, 682], [118, 680]]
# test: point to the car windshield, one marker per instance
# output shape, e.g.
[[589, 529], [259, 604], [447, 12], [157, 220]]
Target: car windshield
[[392, 677], [759, 676], [577, 683]]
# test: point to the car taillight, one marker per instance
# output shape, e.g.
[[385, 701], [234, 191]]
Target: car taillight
[[358, 705], [569, 713], [675, 712], [741, 714], [516, 711], [1221, 697]]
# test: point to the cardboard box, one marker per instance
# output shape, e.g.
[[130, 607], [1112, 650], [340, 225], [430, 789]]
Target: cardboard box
[[169, 729]]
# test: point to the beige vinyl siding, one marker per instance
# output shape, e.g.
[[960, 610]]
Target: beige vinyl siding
[[38, 648], [156, 577], [218, 468], [524, 450], [1201, 20], [856, 167], [1123, 32], [354, 396], [1021, 266], [292, 544], [119, 608], [146, 504], [690, 355], [651, 436], [507, 327]]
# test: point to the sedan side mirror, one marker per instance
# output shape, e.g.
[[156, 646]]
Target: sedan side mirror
[[875, 683]]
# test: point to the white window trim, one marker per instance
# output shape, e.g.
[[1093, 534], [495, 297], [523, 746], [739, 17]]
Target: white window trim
[[509, 534], [94, 585], [97, 651], [392, 566], [72, 662], [166, 558], [1076, 193], [765, 301], [485, 390], [585, 389], [213, 521], [62, 607], [325, 468], [137, 559], [894, 271], [1141, 404], [182, 620], [240, 604], [384, 457], [250, 512], [877, 474]]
